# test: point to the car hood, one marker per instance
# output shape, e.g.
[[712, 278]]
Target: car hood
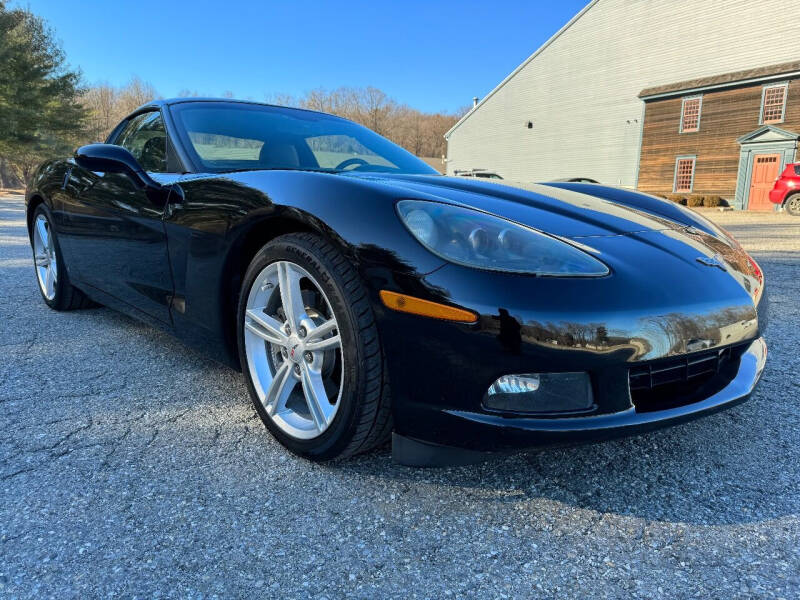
[[558, 209], [619, 226]]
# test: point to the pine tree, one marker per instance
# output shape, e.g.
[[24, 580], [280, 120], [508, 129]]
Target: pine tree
[[40, 110]]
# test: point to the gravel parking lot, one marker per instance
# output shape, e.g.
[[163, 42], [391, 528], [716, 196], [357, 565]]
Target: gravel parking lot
[[133, 467]]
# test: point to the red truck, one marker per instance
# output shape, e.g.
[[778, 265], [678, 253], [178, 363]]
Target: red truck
[[786, 191]]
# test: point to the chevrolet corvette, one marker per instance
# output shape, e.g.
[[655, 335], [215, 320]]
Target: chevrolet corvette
[[366, 297]]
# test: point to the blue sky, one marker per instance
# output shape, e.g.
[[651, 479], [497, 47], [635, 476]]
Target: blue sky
[[432, 55]]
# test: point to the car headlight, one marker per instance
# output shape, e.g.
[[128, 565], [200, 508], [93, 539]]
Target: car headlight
[[476, 239]]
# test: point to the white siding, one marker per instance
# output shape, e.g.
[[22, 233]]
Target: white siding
[[581, 90]]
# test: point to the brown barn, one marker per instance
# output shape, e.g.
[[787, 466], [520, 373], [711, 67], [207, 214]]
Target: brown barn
[[730, 135]]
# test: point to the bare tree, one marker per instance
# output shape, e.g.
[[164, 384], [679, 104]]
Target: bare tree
[[279, 99], [418, 132], [108, 105], [376, 109], [136, 93], [101, 102]]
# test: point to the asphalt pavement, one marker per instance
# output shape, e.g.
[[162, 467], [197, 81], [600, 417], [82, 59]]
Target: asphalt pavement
[[131, 466]]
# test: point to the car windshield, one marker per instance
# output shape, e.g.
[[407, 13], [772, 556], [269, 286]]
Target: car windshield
[[229, 136]]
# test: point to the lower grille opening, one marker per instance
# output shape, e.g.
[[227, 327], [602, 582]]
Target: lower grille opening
[[682, 380]]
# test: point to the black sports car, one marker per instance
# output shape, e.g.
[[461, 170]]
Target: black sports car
[[363, 294]]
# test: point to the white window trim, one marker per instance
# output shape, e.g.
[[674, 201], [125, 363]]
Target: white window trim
[[699, 113], [675, 173], [785, 85]]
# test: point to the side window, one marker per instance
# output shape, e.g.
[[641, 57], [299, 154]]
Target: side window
[[145, 137], [773, 103], [684, 174], [690, 114]]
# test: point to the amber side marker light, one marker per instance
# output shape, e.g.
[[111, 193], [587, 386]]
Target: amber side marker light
[[426, 308]]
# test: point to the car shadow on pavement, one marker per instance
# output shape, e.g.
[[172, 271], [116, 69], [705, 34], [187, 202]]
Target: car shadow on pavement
[[728, 468], [736, 467], [722, 469], [667, 477]]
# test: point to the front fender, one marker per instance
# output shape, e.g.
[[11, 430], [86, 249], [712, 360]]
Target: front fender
[[218, 223]]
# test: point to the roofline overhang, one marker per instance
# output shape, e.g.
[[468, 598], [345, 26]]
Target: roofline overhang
[[718, 86], [510, 76]]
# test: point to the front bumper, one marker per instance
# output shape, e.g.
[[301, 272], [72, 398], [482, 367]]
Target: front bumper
[[660, 304], [496, 433]]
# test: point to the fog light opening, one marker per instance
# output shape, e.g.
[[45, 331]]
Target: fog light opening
[[515, 384], [540, 393]]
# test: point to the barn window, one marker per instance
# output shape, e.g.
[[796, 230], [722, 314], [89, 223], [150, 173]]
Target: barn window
[[773, 103], [684, 174], [690, 114]]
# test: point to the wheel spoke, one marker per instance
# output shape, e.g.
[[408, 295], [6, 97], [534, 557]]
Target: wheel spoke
[[321, 330], [50, 282], [282, 385], [316, 397], [315, 341], [291, 297], [41, 260], [265, 327], [41, 230], [326, 344]]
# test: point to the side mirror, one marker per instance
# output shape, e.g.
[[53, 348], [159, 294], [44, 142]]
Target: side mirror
[[109, 158]]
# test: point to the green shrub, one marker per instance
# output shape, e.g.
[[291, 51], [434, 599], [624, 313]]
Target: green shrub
[[694, 201], [679, 198]]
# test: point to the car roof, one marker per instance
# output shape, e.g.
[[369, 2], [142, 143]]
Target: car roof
[[171, 101]]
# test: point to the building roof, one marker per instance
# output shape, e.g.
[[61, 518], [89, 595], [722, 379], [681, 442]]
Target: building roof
[[541, 49], [433, 162], [725, 80]]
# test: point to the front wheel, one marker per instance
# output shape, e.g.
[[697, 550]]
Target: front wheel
[[310, 351], [792, 205], [51, 273]]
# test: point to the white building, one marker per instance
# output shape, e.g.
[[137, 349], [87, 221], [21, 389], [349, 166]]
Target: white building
[[572, 108]]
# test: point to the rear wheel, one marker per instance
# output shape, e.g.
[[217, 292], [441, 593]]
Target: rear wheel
[[792, 205], [51, 273], [309, 349]]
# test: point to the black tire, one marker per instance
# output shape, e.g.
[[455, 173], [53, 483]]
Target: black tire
[[792, 205], [363, 420], [67, 296]]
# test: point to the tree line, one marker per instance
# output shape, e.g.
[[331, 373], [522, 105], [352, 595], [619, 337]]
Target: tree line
[[47, 110], [418, 132]]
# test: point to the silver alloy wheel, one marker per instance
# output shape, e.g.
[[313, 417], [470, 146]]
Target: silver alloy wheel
[[793, 205], [44, 256], [291, 336]]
